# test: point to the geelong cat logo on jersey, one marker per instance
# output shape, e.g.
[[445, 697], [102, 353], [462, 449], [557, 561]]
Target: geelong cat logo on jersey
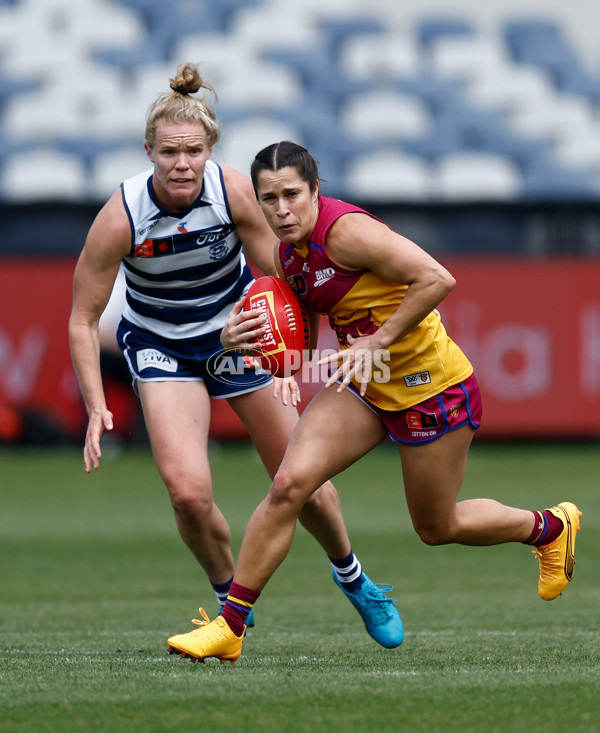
[[218, 251]]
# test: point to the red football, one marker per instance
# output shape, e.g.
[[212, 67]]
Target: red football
[[281, 347]]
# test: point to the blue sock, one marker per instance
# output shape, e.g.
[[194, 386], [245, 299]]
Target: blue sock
[[222, 591], [349, 572]]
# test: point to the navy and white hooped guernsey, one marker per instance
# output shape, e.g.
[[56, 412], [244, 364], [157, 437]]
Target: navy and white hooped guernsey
[[185, 270]]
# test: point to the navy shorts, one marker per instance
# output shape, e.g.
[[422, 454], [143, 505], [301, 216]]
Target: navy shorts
[[225, 373], [456, 406]]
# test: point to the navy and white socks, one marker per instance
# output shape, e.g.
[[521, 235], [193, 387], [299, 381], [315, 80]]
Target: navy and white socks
[[349, 572]]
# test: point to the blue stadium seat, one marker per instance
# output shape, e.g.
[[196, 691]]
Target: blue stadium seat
[[485, 130], [434, 145], [548, 181], [472, 125], [435, 91], [523, 153], [323, 83], [88, 149], [314, 121], [127, 59], [167, 22], [10, 88], [338, 30], [528, 37], [574, 79], [429, 30], [9, 147], [542, 43], [222, 12]]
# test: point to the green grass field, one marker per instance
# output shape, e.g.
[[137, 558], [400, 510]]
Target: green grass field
[[94, 578]]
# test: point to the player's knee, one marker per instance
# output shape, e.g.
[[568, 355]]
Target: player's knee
[[288, 488], [433, 534], [189, 501]]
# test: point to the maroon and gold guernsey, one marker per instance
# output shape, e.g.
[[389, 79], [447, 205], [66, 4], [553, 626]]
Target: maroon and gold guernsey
[[422, 364]]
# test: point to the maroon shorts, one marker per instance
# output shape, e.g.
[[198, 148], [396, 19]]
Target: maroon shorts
[[451, 409]]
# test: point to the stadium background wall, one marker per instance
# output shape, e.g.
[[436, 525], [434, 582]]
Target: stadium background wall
[[526, 310]]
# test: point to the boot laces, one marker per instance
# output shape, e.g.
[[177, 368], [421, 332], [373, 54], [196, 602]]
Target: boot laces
[[375, 594], [549, 558], [203, 621]]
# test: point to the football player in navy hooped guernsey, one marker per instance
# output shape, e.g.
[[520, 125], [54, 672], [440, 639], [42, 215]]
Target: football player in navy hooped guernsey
[[380, 291], [178, 229]]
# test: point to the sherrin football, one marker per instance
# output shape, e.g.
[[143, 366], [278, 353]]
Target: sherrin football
[[286, 337]]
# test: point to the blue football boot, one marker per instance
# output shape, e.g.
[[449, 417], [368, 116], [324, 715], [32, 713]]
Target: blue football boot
[[379, 613]]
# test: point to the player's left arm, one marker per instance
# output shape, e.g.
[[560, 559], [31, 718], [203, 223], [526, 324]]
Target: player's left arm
[[358, 242]]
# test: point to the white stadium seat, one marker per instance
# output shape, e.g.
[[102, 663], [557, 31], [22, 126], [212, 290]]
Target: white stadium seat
[[260, 86], [463, 58], [384, 116], [41, 117], [241, 141], [379, 58], [387, 176], [111, 169], [217, 56], [476, 176], [510, 88], [43, 174], [557, 119]]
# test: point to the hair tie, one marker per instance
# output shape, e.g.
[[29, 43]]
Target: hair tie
[[179, 89]]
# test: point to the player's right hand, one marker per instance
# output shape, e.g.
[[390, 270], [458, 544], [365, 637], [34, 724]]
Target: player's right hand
[[100, 420]]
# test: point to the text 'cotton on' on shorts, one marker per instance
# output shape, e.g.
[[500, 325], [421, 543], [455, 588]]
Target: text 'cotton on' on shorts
[[225, 373], [456, 406]]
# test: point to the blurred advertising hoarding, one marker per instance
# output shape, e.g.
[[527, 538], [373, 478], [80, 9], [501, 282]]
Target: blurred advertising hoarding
[[531, 328]]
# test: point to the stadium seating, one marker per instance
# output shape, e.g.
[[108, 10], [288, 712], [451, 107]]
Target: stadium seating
[[111, 167], [388, 176], [378, 58], [43, 174], [384, 116], [240, 141], [476, 176], [431, 91]]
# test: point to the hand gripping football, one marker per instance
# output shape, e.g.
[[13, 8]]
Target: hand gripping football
[[282, 345]]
